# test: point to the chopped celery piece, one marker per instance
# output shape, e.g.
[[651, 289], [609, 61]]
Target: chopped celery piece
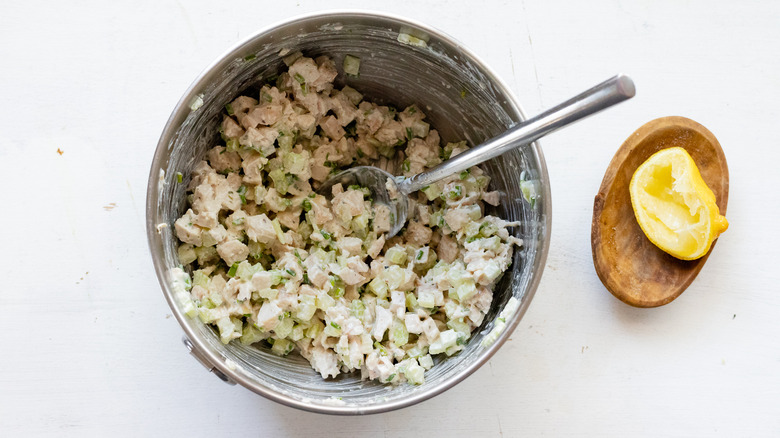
[[200, 278], [251, 335], [432, 191], [398, 333], [396, 255], [378, 287], [356, 308], [282, 347], [186, 254], [351, 65]]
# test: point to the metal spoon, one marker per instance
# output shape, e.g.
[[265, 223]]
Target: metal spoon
[[394, 191]]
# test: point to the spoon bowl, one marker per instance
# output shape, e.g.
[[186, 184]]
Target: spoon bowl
[[383, 187]]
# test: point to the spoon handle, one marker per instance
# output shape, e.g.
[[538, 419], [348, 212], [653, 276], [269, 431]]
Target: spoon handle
[[602, 96]]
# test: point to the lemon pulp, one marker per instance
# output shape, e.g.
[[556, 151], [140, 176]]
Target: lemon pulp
[[673, 205]]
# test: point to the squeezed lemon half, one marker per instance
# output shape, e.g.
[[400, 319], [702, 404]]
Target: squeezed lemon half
[[673, 205]]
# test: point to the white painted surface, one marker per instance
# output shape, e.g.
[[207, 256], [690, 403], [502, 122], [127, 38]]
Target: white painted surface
[[88, 345]]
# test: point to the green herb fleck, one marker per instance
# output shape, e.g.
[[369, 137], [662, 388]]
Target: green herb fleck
[[299, 78], [336, 326], [229, 109], [391, 377], [179, 177], [406, 165], [242, 193], [233, 269], [306, 204], [419, 255], [266, 97], [325, 234], [290, 272], [463, 93], [249, 57], [465, 174], [409, 134]]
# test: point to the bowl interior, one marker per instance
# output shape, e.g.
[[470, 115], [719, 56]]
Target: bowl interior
[[461, 99]]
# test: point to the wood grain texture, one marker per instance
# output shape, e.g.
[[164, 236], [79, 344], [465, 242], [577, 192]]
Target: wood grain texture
[[627, 262]]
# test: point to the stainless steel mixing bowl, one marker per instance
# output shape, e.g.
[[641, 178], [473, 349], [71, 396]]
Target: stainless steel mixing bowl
[[462, 98]]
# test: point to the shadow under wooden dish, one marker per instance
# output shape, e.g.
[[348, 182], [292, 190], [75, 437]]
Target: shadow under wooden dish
[[631, 267]]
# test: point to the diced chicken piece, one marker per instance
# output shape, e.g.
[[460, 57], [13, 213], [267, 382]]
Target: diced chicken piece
[[343, 108], [413, 323], [304, 70], [260, 139], [290, 218], [417, 234], [322, 214], [306, 122], [232, 251], [188, 232], [447, 249], [376, 247], [332, 128], [199, 292], [230, 128], [379, 367], [324, 362], [433, 139], [317, 276], [390, 133], [398, 303], [350, 245], [215, 235], [430, 329], [260, 229], [267, 115], [326, 69], [369, 119], [421, 155], [456, 218], [244, 291], [492, 198], [423, 213], [350, 276], [382, 322], [253, 166], [268, 315], [348, 204], [242, 104], [262, 280], [381, 218]]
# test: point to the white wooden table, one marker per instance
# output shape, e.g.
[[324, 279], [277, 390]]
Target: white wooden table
[[89, 347]]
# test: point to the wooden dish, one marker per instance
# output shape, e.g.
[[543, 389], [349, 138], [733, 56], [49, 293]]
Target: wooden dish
[[630, 266]]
